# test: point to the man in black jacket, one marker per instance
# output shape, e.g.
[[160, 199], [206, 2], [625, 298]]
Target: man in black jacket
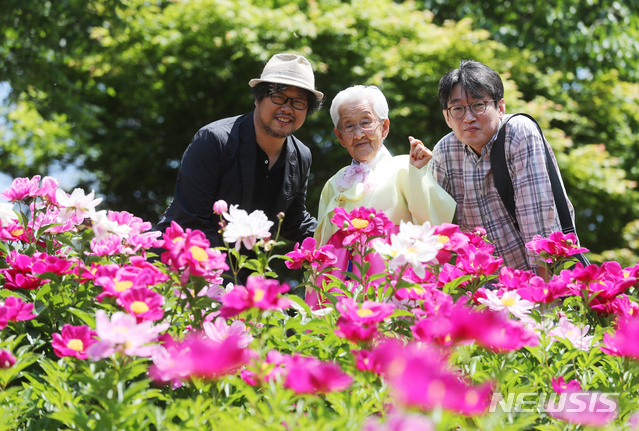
[[253, 160]]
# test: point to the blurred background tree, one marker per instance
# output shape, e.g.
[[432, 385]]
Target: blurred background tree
[[117, 88]]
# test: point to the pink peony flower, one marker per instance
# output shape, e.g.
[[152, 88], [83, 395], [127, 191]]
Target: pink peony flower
[[538, 291], [22, 188], [623, 341], [73, 341], [190, 251], [478, 262], [420, 377], [366, 360], [398, 421], [461, 324], [370, 311], [122, 333], [219, 331], [143, 303], [20, 273], [7, 360], [571, 407], [15, 309], [578, 337], [556, 246], [260, 292], [308, 253], [355, 331], [358, 225], [310, 375], [201, 357]]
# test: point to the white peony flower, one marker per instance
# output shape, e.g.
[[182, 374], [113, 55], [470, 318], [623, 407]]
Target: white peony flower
[[414, 244], [76, 204], [246, 229], [510, 301], [7, 214]]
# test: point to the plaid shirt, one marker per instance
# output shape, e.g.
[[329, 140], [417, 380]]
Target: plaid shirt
[[468, 178]]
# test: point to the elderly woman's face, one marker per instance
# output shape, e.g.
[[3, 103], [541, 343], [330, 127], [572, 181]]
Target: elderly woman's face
[[360, 131]]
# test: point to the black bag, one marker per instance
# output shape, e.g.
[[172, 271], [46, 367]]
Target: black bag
[[504, 184]]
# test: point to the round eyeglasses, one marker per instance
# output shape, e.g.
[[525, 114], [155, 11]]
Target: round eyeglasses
[[368, 125], [477, 108], [296, 102]]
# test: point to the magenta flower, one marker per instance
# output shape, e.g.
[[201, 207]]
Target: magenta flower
[[272, 367], [73, 341], [15, 309], [42, 262], [556, 246], [310, 375], [22, 188], [366, 360], [190, 251], [20, 273], [143, 303], [538, 291], [358, 225], [260, 292], [478, 262], [355, 331], [461, 324], [370, 311], [201, 357], [7, 360], [420, 377], [571, 407], [308, 253], [623, 342], [115, 280]]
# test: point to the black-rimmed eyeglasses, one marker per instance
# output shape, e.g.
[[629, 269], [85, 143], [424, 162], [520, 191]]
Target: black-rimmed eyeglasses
[[296, 102], [477, 108]]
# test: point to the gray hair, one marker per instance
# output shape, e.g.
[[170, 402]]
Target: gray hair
[[358, 93]]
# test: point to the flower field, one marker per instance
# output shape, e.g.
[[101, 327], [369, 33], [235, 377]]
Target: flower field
[[108, 325]]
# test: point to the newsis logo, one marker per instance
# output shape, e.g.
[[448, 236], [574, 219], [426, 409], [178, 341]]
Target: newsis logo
[[573, 402]]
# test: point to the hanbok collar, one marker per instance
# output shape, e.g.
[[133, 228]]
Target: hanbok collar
[[361, 172]]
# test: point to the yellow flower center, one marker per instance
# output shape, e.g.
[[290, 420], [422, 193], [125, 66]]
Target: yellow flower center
[[75, 344], [447, 338], [443, 239], [508, 301], [199, 253], [359, 223], [139, 307], [122, 285], [258, 295], [16, 232], [364, 312], [411, 250], [177, 238], [419, 290]]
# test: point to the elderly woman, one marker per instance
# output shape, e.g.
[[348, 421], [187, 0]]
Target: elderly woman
[[402, 186]]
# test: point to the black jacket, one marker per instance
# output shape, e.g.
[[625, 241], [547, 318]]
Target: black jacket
[[220, 164]]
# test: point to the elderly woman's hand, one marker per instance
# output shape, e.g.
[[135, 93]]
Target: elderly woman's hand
[[419, 154]]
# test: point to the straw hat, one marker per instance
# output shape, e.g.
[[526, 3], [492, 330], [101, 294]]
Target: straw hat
[[289, 69]]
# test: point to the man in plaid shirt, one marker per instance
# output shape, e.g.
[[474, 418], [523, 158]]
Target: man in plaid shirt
[[473, 106]]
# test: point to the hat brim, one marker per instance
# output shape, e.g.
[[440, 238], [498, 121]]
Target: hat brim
[[288, 81]]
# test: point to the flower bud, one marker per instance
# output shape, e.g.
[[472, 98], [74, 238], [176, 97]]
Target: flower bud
[[281, 215], [220, 207]]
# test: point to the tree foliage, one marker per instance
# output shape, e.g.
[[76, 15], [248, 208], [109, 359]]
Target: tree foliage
[[119, 87]]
